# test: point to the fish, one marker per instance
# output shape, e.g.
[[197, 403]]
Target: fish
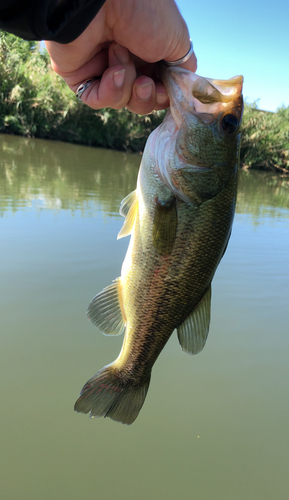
[[180, 218]]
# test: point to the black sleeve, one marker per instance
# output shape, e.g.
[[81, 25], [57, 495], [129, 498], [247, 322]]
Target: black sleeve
[[58, 20]]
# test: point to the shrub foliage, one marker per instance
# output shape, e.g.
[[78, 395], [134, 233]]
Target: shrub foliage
[[35, 102], [265, 139]]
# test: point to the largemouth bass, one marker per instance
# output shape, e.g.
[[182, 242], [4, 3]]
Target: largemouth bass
[[180, 218]]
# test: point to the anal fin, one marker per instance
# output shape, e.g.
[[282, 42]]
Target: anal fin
[[105, 311], [193, 332]]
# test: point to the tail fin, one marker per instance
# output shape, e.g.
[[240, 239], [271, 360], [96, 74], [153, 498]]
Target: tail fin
[[106, 395]]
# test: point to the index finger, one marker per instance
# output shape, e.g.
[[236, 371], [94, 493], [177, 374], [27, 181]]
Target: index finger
[[190, 63]]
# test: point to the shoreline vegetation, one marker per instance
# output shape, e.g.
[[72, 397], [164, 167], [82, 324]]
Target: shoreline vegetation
[[35, 102]]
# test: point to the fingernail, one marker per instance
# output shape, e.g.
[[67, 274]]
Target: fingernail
[[122, 54], [161, 98], [144, 92], [118, 78]]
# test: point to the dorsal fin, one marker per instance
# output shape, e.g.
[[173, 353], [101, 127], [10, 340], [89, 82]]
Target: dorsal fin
[[193, 332], [129, 210], [105, 311]]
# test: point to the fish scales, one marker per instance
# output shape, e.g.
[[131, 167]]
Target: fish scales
[[180, 219], [188, 277]]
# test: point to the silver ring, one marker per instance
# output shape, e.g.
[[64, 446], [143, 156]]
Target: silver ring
[[83, 87], [182, 60]]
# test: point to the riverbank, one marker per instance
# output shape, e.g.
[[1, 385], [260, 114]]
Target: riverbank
[[35, 102]]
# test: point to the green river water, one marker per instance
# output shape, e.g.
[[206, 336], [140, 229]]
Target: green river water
[[214, 426]]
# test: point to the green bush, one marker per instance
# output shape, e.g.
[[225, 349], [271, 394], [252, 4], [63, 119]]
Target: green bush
[[265, 139], [35, 102]]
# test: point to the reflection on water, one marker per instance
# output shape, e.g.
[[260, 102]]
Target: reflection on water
[[214, 426], [263, 195], [61, 177]]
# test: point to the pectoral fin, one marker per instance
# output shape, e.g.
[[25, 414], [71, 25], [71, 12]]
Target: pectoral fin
[[193, 332], [127, 202], [129, 210], [165, 226], [105, 311]]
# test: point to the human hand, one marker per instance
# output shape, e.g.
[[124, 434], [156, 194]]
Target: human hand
[[121, 46]]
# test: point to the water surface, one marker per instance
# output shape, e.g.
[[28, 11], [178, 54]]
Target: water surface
[[214, 426]]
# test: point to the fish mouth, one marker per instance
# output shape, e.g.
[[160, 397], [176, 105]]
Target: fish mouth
[[210, 91], [204, 97]]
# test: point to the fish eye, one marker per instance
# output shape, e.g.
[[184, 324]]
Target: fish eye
[[229, 124]]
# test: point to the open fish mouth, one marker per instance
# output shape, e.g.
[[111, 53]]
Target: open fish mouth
[[209, 91], [203, 97]]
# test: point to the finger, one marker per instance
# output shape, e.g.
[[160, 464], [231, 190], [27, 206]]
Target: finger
[[114, 88], [148, 96], [143, 98], [108, 91], [167, 37], [64, 61], [183, 49], [191, 64], [118, 54], [162, 98], [93, 68]]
